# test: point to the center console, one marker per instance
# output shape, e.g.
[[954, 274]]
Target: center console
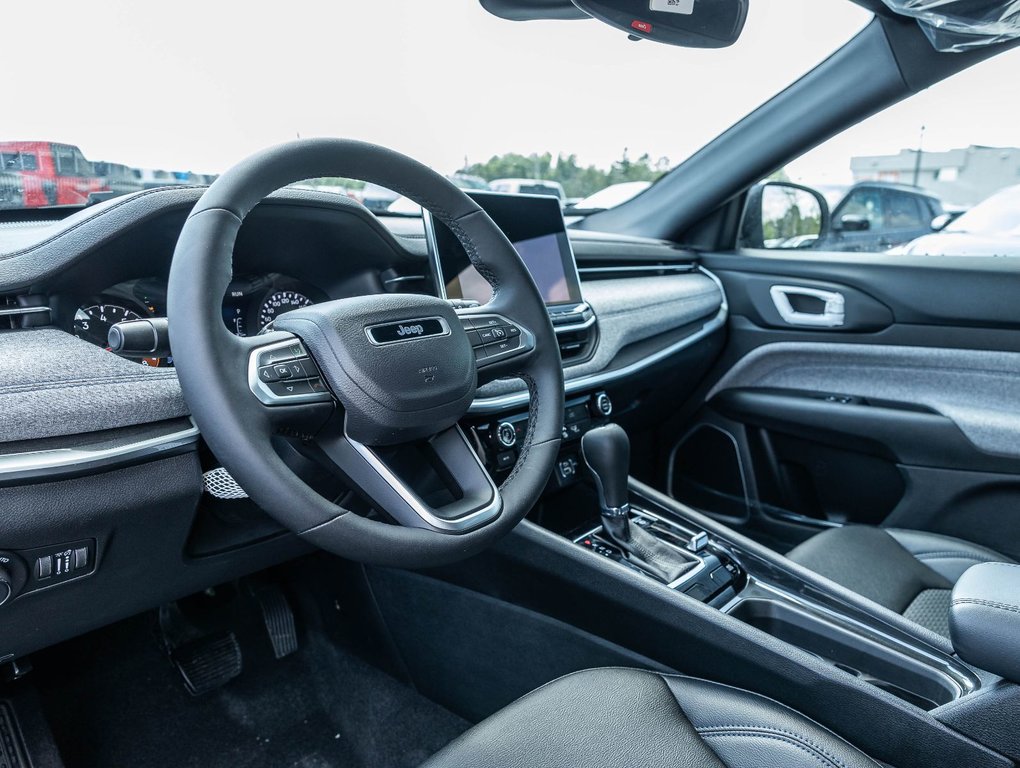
[[658, 541]]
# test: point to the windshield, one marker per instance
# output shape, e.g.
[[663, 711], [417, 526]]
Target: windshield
[[181, 93], [998, 215]]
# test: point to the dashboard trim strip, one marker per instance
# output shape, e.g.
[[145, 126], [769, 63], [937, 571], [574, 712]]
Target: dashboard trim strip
[[59, 461]]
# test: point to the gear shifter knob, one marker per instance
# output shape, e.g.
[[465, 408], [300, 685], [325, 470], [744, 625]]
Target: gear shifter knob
[[606, 451]]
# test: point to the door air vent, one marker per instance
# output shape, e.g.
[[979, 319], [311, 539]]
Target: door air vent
[[23, 311]]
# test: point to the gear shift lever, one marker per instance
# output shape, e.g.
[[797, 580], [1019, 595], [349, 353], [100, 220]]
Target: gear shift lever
[[606, 451]]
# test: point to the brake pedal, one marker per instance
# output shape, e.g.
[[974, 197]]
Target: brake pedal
[[279, 619], [208, 663]]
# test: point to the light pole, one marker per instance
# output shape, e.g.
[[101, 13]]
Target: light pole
[[917, 158]]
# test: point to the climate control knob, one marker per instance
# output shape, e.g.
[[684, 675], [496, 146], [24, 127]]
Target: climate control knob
[[506, 435]]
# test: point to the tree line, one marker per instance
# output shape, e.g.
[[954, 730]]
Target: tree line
[[577, 180]]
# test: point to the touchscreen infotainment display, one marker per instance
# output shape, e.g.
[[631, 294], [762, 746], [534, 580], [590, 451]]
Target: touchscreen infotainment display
[[534, 224]]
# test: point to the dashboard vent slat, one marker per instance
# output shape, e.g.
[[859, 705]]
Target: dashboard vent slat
[[23, 311]]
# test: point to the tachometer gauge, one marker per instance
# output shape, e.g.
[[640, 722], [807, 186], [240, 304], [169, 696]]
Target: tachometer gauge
[[279, 302], [93, 323]]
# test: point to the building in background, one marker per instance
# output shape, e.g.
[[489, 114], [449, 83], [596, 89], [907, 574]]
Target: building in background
[[960, 177]]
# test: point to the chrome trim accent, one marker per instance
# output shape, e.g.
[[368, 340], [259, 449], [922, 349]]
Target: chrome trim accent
[[936, 662], [466, 522], [575, 326], [265, 395], [404, 279], [23, 311], [442, 323], [677, 268], [833, 315], [57, 460]]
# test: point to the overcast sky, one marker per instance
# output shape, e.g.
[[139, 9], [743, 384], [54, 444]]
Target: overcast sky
[[198, 84]]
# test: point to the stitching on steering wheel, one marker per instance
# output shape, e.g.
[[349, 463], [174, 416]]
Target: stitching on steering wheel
[[530, 437]]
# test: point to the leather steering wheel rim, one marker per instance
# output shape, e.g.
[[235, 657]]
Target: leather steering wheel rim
[[212, 363]]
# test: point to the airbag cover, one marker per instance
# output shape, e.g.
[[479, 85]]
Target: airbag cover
[[401, 364]]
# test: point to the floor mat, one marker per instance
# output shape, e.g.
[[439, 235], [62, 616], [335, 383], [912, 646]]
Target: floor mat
[[113, 699]]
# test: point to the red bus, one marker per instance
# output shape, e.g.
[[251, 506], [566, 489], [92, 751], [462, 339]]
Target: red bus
[[52, 174]]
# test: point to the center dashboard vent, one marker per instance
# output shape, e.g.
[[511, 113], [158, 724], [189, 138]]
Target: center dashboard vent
[[576, 331], [23, 311]]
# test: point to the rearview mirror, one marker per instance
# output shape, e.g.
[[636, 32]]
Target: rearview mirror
[[783, 216], [689, 23], [941, 221]]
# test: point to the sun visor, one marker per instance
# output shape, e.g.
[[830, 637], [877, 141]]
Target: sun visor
[[954, 26]]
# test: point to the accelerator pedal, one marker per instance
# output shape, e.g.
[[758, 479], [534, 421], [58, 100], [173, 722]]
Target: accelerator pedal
[[13, 752], [279, 619]]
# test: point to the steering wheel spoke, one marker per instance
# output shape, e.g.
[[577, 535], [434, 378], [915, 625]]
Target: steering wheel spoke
[[437, 484]]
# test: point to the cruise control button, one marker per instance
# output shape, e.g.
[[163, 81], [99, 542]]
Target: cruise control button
[[499, 333], [503, 347], [513, 330], [486, 335], [268, 373], [480, 354], [301, 368], [486, 322], [281, 354], [290, 388], [473, 338]]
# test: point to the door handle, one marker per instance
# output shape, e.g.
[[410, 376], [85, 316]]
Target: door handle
[[833, 314]]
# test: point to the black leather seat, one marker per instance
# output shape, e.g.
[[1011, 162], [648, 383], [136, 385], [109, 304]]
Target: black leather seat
[[909, 572], [616, 718]]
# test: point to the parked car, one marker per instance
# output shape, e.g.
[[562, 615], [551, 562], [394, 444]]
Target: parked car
[[876, 215], [611, 196], [529, 187], [51, 173], [990, 228]]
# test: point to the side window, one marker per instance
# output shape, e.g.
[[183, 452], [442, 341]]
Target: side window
[[937, 174], [862, 205], [903, 211]]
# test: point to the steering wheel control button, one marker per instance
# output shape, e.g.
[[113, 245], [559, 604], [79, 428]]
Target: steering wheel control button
[[486, 335], [513, 330], [506, 435], [291, 378]]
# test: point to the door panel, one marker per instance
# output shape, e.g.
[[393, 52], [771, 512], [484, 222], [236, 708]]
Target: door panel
[[905, 415]]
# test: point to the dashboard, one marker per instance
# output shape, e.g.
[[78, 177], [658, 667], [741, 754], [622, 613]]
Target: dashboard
[[97, 452]]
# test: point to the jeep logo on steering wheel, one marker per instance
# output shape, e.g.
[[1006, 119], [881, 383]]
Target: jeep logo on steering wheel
[[407, 330]]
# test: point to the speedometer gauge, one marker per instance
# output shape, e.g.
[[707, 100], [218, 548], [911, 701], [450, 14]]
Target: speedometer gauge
[[93, 323], [279, 302]]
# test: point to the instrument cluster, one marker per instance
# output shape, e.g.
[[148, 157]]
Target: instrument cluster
[[250, 306]]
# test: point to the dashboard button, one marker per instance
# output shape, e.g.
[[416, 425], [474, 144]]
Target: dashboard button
[[44, 567], [291, 388]]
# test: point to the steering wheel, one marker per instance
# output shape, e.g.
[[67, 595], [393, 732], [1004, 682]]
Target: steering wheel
[[354, 382]]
